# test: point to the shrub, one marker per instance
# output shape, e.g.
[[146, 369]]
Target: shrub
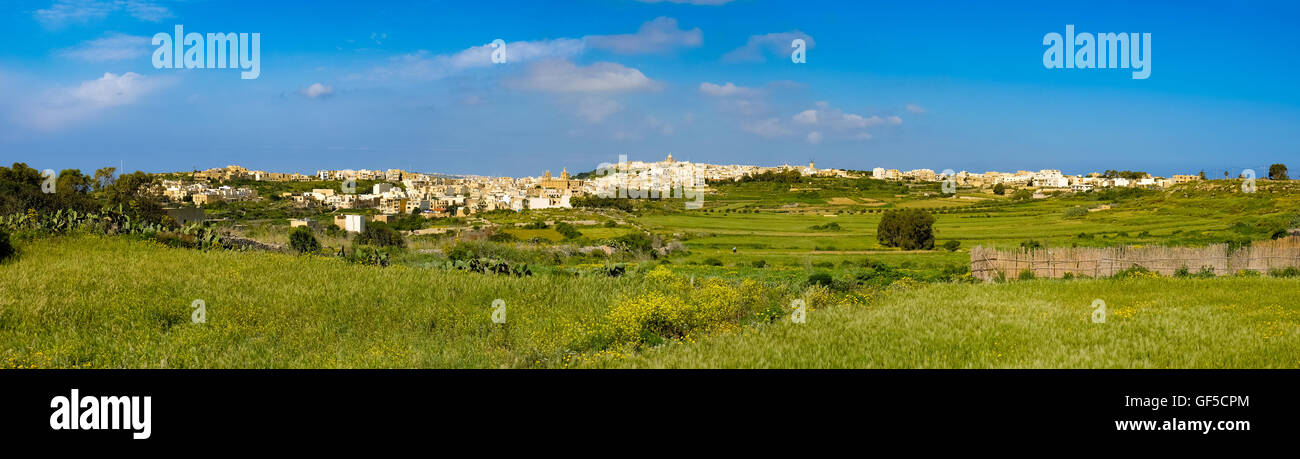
[[759, 263], [302, 240], [380, 236], [611, 224], [1026, 274], [952, 246], [1182, 271], [567, 230], [713, 262], [1031, 245], [6, 249], [1068, 275], [649, 318], [909, 229], [537, 225], [832, 226], [634, 242], [1136, 272], [502, 237], [820, 278], [1076, 212], [1289, 271]]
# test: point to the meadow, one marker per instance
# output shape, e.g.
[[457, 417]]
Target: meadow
[[722, 298], [1150, 323], [115, 302]]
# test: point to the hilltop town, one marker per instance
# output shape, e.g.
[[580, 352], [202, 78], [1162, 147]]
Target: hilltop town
[[400, 192]]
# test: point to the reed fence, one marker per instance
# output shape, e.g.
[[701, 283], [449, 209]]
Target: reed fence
[[989, 264]]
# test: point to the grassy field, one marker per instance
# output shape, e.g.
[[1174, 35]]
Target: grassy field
[[124, 301], [96, 302], [1150, 323]]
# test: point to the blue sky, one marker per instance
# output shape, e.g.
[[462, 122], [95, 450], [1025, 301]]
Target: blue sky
[[939, 85]]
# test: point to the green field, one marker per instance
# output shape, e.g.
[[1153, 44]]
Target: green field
[[1150, 323], [74, 298], [113, 302]]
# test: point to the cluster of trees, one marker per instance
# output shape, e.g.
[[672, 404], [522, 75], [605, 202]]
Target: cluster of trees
[[1131, 175], [594, 201], [23, 188], [908, 229], [379, 235], [787, 176]]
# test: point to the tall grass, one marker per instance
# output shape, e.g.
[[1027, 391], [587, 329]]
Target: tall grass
[[1239, 322], [95, 301]]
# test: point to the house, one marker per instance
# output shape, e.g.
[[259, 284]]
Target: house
[[350, 223], [304, 222]]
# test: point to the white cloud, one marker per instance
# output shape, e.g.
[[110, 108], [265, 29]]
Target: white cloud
[[821, 123], [758, 47], [806, 117], [916, 109], [746, 107], [422, 65], [65, 12], [317, 91], [769, 128], [564, 76], [656, 36], [595, 110], [66, 105], [724, 90], [110, 47]]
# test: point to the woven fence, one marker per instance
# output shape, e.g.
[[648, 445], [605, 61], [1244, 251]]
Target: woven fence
[[990, 264]]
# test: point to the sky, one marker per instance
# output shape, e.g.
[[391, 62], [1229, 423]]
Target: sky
[[412, 85]]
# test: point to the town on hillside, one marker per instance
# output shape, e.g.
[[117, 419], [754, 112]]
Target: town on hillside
[[396, 192]]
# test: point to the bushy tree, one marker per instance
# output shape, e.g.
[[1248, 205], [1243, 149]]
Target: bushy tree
[[380, 235], [567, 230], [1076, 211], [909, 229], [302, 240], [952, 246], [1277, 172], [999, 189]]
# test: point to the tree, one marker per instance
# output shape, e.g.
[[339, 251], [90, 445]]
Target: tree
[[1202, 175], [909, 229], [104, 177], [567, 230], [1277, 172], [128, 192], [379, 235], [302, 240], [1022, 195], [999, 189]]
